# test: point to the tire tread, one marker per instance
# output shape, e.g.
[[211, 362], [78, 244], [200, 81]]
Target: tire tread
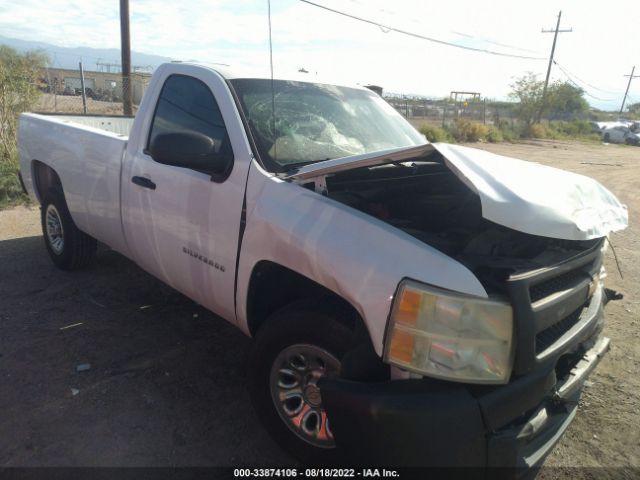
[[79, 248]]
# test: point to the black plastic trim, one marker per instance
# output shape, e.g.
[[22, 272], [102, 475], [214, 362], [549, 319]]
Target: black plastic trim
[[431, 423], [531, 318]]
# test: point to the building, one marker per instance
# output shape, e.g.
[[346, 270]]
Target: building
[[105, 86]]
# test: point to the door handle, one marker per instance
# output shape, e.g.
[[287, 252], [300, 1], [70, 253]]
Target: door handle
[[144, 182]]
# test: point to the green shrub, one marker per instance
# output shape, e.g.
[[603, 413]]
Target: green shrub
[[10, 189], [435, 134], [494, 135], [566, 128], [575, 128], [509, 131]]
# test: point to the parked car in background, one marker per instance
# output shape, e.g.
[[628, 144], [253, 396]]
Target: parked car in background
[[622, 134]]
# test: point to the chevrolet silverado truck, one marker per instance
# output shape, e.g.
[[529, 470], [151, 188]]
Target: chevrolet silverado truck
[[410, 303]]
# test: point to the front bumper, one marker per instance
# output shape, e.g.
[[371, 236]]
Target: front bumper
[[440, 424]]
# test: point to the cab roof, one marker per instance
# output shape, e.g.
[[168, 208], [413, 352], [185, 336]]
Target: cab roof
[[230, 73]]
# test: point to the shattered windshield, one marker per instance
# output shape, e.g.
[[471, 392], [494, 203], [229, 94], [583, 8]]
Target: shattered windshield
[[316, 122]]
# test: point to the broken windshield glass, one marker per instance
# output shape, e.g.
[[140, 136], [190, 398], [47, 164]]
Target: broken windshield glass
[[315, 122]]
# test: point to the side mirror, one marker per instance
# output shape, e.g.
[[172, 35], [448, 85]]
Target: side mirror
[[191, 150]]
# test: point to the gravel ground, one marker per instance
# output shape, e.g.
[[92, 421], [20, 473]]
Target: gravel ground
[[165, 386]]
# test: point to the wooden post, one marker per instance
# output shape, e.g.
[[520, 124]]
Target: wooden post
[[125, 48]]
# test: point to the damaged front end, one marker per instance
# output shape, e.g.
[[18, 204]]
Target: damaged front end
[[520, 227], [534, 236], [495, 215]]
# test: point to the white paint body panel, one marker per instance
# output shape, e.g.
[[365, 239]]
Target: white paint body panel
[[88, 161], [360, 258], [534, 198], [525, 196], [187, 210]]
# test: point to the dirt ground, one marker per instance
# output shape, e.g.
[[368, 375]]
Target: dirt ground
[[165, 386]]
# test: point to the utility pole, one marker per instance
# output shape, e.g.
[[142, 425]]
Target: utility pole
[[84, 92], [125, 48], [631, 77], [553, 49]]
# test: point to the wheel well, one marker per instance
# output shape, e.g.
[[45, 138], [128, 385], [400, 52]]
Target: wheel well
[[273, 287], [44, 178]]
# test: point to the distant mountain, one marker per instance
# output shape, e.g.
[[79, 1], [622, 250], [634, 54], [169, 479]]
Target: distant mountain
[[65, 57]]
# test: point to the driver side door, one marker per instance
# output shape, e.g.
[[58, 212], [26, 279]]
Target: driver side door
[[181, 224]]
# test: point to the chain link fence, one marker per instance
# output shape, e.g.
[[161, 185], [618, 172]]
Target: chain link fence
[[444, 111], [79, 91]]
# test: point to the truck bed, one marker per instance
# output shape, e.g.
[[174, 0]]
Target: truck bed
[[86, 152], [117, 124]]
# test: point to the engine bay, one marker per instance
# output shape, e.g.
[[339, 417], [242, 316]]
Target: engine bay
[[426, 200]]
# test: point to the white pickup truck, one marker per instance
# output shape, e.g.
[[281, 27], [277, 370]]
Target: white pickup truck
[[410, 303]]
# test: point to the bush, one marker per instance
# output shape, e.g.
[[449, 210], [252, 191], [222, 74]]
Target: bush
[[509, 131], [536, 130], [494, 135], [19, 75], [467, 131], [435, 134], [575, 128], [10, 189]]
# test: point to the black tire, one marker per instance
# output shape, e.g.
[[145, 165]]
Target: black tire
[[77, 249], [303, 323]]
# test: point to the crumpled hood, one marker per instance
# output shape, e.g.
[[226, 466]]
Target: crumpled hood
[[536, 199], [524, 196]]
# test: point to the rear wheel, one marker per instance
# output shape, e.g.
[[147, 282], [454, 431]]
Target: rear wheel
[[68, 247], [294, 349]]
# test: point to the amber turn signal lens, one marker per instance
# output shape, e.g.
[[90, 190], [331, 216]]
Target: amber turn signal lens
[[409, 307], [402, 344]]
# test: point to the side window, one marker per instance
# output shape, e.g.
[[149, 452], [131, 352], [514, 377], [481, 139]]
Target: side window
[[187, 105]]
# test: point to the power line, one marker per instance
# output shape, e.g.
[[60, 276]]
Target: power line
[[462, 34], [584, 82], [416, 35], [488, 40], [580, 86]]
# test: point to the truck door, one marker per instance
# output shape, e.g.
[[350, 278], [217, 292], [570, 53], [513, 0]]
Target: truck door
[[182, 225]]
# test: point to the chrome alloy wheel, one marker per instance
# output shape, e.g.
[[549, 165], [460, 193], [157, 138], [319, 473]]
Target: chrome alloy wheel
[[55, 232], [296, 395]]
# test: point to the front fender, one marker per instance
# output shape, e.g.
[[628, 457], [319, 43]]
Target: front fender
[[359, 257]]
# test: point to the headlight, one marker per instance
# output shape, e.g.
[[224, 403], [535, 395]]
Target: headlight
[[448, 336]]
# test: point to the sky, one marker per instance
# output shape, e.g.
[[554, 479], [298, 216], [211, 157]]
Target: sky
[[596, 55]]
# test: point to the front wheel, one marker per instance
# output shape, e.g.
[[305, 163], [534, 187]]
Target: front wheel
[[68, 247], [291, 352]]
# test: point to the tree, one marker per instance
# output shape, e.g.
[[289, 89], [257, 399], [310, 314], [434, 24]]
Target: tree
[[564, 100], [527, 91], [18, 91], [634, 109]]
